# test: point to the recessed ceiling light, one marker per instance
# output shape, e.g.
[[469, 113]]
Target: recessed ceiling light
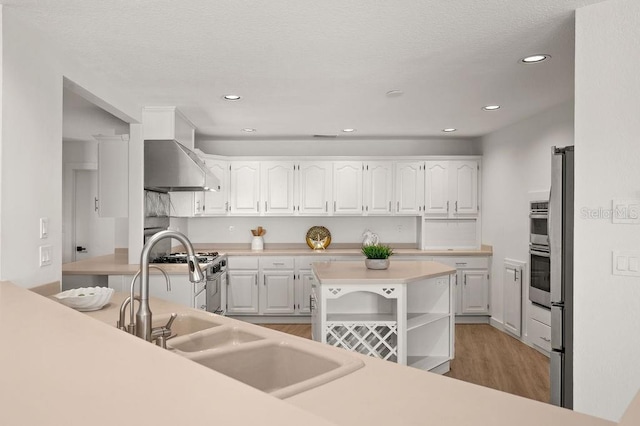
[[491, 107], [348, 130], [249, 130], [395, 93], [449, 130], [534, 59], [231, 97]]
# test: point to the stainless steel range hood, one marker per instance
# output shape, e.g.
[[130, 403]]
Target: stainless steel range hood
[[170, 166]]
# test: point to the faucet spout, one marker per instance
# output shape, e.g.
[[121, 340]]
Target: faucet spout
[[143, 316]]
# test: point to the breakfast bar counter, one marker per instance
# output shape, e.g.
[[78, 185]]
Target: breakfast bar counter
[[60, 366]]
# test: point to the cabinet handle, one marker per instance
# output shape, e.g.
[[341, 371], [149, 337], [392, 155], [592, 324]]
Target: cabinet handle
[[456, 207], [397, 206], [95, 204], [278, 263], [334, 206], [258, 205], [326, 206], [447, 207], [226, 206], [255, 279], [546, 339], [389, 206], [461, 263], [465, 280], [265, 206]]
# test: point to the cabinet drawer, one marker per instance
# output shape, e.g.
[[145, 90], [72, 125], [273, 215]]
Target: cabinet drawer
[[276, 262], [467, 262], [306, 261], [540, 334], [540, 314], [242, 262]]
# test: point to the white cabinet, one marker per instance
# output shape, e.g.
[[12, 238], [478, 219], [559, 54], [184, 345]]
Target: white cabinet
[[314, 184], [409, 183], [451, 188], [276, 294], [475, 294], [113, 181], [471, 283], [217, 203], [187, 203], [276, 181], [242, 285], [378, 187], [161, 123], [512, 296], [305, 281], [245, 188], [347, 188]]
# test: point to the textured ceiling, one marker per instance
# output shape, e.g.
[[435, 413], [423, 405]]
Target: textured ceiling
[[315, 67]]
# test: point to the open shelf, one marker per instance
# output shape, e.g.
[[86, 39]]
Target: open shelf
[[426, 362], [362, 318], [415, 320]]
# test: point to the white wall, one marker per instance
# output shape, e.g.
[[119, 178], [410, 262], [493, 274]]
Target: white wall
[[607, 125], [294, 230], [516, 165], [339, 146], [31, 141]]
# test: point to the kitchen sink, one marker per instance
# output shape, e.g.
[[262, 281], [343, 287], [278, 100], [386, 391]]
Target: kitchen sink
[[281, 369], [213, 339], [185, 324]]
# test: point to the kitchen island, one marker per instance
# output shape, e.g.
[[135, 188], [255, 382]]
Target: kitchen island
[[59, 366], [403, 314]]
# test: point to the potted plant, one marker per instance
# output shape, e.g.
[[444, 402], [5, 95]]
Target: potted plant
[[377, 256]]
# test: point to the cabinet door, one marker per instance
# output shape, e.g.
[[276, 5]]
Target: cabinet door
[[409, 194], [277, 187], [512, 301], [314, 188], [182, 204], [437, 188], [465, 187], [276, 294], [303, 291], [113, 180], [347, 188], [242, 292], [217, 203], [378, 187], [475, 292], [245, 187]]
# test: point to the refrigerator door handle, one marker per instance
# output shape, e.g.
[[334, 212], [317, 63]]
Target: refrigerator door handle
[[554, 223], [557, 326]]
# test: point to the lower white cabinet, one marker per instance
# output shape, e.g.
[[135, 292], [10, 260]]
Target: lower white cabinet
[[471, 284], [276, 293], [242, 292], [512, 296]]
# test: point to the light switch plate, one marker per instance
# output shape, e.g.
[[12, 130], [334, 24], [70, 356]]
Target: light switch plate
[[45, 255], [625, 211], [626, 263], [44, 227]]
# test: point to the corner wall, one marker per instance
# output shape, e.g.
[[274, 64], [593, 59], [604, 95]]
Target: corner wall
[[516, 169], [607, 125]]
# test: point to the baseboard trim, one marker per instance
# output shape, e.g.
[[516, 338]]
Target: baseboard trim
[[472, 319]]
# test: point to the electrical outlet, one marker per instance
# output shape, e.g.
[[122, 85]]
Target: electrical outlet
[[45, 255], [232, 228], [399, 228]]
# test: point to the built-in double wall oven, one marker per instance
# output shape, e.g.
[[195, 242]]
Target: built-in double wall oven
[[540, 259]]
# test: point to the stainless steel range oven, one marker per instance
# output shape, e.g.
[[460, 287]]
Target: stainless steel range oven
[[216, 281]]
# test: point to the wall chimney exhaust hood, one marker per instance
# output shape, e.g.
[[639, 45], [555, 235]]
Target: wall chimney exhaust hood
[[170, 166]]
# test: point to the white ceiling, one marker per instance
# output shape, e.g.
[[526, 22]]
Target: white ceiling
[[307, 67]]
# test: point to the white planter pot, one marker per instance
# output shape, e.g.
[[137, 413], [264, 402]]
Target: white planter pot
[[377, 263]]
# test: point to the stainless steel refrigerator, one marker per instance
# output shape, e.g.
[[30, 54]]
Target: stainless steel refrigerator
[[561, 263]]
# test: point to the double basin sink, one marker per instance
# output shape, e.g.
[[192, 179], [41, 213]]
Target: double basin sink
[[280, 367]]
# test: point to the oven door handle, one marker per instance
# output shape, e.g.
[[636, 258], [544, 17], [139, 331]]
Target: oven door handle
[[539, 215]]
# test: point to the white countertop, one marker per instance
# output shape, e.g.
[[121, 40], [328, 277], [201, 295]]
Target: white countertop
[[59, 366], [399, 272]]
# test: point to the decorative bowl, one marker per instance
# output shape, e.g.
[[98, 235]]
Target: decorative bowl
[[85, 299], [377, 263]]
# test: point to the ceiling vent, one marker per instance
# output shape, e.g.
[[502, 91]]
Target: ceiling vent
[[325, 136]]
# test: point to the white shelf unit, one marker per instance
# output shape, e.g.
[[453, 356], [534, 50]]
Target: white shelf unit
[[411, 324]]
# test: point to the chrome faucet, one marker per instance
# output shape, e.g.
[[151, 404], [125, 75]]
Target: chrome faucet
[[143, 316]]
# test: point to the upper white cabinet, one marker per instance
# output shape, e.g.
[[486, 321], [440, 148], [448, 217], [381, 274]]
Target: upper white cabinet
[[160, 123], [378, 187], [187, 203], [314, 187], [409, 183], [217, 203], [245, 187], [113, 181], [347, 188], [277, 184], [451, 188]]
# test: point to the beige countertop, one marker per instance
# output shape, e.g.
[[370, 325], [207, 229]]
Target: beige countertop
[[118, 263], [329, 273], [59, 366]]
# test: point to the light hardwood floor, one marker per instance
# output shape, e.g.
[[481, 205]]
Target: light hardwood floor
[[484, 356]]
